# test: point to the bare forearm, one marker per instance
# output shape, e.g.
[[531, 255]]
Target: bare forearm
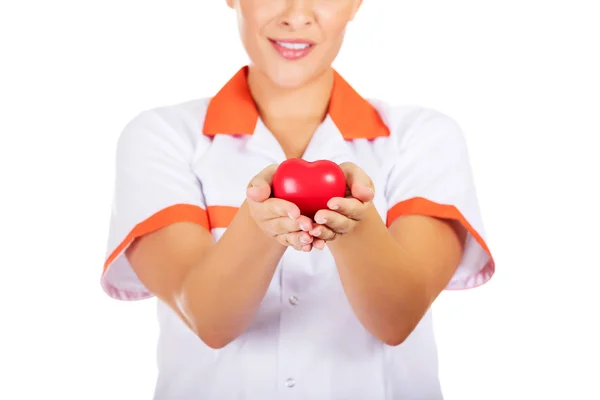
[[386, 293], [222, 293]]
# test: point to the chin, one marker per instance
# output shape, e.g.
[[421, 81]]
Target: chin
[[292, 76]]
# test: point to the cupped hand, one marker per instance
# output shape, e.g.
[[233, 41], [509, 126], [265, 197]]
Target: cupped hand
[[278, 218], [345, 213]]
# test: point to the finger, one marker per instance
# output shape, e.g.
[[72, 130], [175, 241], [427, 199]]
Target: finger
[[361, 186], [300, 241], [335, 221], [305, 223], [258, 193], [275, 208], [362, 193], [350, 207], [259, 188], [318, 244], [323, 233], [282, 225], [283, 240]]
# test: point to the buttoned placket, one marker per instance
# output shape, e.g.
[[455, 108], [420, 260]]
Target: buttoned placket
[[326, 143]]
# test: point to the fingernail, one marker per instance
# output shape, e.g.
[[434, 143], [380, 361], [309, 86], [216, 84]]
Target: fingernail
[[333, 207], [291, 216], [320, 220], [304, 240], [305, 227], [316, 232]]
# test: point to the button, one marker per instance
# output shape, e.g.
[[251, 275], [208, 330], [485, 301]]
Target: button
[[294, 300], [290, 383]]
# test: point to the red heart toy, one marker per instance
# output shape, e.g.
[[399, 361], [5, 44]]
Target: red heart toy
[[309, 185]]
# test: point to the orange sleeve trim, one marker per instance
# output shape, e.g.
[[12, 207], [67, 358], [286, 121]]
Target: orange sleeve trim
[[166, 216], [422, 206], [220, 216]]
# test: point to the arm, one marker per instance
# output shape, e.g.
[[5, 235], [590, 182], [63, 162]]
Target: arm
[[217, 288], [391, 277], [435, 237]]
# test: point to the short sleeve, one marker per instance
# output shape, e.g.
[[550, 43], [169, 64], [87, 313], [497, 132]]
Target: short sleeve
[[155, 186], [432, 176]]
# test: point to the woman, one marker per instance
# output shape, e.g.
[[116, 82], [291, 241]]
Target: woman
[[257, 301]]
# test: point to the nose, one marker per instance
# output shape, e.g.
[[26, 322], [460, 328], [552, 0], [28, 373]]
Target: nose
[[298, 14]]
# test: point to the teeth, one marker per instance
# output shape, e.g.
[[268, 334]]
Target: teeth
[[294, 46]]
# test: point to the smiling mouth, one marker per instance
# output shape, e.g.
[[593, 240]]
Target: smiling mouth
[[293, 45], [293, 49]]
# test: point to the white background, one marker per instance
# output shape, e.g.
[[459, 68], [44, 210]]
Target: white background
[[520, 76]]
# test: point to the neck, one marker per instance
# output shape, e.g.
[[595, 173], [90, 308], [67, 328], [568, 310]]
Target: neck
[[308, 103]]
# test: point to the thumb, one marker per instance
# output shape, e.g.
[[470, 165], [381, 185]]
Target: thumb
[[259, 188], [362, 192], [258, 192], [361, 186]]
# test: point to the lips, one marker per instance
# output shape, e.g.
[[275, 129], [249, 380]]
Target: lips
[[292, 49]]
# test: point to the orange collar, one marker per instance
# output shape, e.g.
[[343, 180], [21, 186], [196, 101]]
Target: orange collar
[[232, 111]]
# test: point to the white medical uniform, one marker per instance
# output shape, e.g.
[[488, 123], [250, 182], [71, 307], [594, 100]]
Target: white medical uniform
[[193, 161]]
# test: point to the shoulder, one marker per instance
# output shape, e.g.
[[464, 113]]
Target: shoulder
[[411, 124], [175, 126]]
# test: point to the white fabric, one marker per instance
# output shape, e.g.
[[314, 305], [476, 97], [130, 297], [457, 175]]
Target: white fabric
[[153, 172], [432, 163], [312, 347]]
